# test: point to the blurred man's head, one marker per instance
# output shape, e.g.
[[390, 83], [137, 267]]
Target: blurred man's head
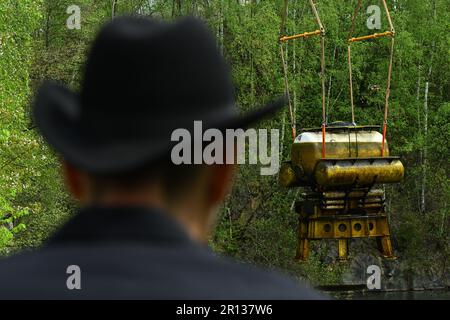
[[190, 193], [145, 79]]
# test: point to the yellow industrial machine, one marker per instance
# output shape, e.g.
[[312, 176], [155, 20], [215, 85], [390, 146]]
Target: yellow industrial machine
[[341, 166]]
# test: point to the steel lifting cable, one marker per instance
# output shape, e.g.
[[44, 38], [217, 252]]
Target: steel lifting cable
[[352, 106], [324, 110], [388, 92], [349, 57], [286, 85], [282, 39], [390, 33], [322, 75], [388, 85], [285, 70]]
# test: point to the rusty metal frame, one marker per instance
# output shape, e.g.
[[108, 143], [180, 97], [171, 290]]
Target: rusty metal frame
[[319, 226], [301, 35], [372, 36]]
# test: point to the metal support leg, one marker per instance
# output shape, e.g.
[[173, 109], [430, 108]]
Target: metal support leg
[[303, 250], [343, 249], [385, 247]]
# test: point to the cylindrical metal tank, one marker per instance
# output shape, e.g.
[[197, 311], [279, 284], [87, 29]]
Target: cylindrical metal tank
[[361, 172], [353, 157]]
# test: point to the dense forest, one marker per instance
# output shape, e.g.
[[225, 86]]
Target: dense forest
[[256, 223]]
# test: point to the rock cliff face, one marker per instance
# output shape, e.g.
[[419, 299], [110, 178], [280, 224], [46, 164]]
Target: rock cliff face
[[396, 274]]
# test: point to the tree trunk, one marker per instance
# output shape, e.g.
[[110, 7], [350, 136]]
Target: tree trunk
[[47, 28], [176, 8], [419, 129], [425, 136], [425, 125], [114, 9], [221, 37], [424, 149]]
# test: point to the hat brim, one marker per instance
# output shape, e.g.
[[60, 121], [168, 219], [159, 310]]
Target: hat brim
[[56, 112]]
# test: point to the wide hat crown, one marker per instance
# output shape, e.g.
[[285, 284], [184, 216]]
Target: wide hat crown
[[171, 72], [142, 80]]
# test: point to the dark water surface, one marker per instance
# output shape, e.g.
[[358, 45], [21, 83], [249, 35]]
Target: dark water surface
[[443, 294]]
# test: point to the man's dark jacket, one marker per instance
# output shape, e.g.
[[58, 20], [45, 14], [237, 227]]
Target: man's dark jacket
[[135, 253]]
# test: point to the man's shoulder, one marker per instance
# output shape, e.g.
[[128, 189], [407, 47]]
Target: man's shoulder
[[260, 283], [143, 272]]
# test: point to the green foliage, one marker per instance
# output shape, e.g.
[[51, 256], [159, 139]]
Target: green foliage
[[256, 223], [18, 19]]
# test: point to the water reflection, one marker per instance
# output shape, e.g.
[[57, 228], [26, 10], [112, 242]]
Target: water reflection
[[393, 295]]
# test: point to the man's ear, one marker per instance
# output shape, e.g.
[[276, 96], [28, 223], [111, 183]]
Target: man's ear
[[73, 181], [221, 182]]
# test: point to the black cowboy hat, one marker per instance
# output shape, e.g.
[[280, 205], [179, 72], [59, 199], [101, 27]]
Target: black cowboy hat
[[143, 79]]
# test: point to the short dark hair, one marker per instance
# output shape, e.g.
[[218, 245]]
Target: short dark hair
[[174, 179]]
